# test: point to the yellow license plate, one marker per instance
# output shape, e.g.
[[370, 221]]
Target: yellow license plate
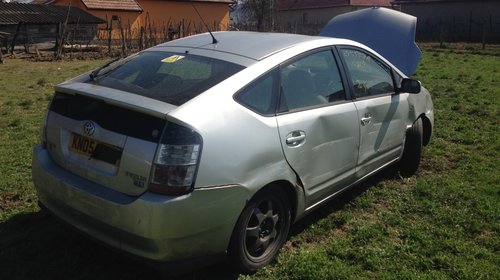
[[82, 145]]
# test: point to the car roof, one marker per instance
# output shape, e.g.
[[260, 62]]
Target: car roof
[[252, 45]]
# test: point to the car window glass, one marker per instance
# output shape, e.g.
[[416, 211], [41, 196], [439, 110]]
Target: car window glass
[[185, 69], [311, 80], [168, 77], [260, 95], [369, 76]]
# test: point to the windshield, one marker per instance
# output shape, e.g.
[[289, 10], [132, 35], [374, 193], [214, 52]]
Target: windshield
[[169, 77]]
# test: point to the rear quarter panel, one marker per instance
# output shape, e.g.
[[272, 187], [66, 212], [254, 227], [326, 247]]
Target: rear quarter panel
[[239, 146]]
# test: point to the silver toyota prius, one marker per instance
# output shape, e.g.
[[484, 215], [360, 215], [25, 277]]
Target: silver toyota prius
[[199, 149]]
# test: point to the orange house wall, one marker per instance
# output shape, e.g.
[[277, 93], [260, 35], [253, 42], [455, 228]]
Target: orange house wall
[[159, 14], [162, 12]]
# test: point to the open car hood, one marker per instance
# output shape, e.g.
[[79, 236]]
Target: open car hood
[[388, 32]]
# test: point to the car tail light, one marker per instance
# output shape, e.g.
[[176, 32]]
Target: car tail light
[[176, 161], [43, 133]]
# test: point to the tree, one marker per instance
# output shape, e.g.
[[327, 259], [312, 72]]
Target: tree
[[259, 12]]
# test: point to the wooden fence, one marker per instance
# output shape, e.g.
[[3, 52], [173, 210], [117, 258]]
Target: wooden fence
[[128, 39], [121, 39]]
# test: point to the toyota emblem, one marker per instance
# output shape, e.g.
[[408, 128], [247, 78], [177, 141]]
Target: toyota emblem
[[89, 128]]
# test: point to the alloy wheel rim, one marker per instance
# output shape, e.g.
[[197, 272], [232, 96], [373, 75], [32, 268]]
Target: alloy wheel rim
[[263, 229]]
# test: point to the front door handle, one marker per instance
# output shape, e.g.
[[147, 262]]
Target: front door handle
[[295, 138]]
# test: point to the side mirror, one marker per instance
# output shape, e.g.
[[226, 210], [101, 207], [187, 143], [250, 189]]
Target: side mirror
[[410, 86]]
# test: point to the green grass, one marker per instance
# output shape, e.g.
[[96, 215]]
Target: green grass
[[442, 223]]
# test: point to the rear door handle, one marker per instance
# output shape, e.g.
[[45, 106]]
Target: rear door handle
[[295, 138], [366, 119]]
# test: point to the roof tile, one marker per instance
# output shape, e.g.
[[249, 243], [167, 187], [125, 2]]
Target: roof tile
[[123, 5], [14, 13]]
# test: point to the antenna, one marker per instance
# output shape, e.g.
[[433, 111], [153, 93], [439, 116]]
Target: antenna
[[214, 41]]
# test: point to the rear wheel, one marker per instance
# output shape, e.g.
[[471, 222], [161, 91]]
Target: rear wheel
[[412, 152], [261, 231]]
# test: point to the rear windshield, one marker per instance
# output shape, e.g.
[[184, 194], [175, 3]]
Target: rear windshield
[[169, 77]]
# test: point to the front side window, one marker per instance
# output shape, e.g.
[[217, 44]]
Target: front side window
[[168, 77], [369, 76], [312, 80]]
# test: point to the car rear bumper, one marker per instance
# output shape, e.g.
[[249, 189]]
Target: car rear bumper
[[150, 226]]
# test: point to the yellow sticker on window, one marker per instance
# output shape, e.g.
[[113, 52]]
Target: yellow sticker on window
[[172, 59]]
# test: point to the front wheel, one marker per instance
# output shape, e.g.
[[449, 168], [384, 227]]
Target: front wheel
[[260, 231], [410, 160]]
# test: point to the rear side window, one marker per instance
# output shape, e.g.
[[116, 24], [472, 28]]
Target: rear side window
[[312, 80], [261, 95], [168, 77]]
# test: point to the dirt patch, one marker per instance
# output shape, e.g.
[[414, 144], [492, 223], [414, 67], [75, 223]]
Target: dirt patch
[[9, 201]]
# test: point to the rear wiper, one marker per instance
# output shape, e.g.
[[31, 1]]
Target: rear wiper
[[95, 73]]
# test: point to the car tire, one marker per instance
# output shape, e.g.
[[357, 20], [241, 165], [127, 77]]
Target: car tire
[[260, 232], [410, 160]]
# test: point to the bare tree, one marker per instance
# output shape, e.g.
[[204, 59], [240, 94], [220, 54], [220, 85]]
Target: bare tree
[[259, 12]]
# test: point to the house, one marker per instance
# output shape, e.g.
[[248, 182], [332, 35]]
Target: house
[[455, 20], [312, 15], [28, 23], [156, 16]]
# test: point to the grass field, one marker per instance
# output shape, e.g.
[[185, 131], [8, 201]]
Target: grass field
[[442, 223]]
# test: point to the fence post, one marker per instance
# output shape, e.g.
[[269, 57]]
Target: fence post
[[26, 40], [14, 39], [169, 30], [110, 29], [129, 35], [74, 37], [122, 35], [483, 29], [441, 31], [38, 56], [58, 36], [60, 48], [141, 39], [62, 35]]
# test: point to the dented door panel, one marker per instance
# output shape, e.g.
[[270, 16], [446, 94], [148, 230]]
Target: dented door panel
[[326, 157]]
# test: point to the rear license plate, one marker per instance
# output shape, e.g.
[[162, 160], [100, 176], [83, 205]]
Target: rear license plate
[[94, 149]]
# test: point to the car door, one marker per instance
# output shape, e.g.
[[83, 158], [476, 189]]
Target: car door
[[381, 111], [318, 126]]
